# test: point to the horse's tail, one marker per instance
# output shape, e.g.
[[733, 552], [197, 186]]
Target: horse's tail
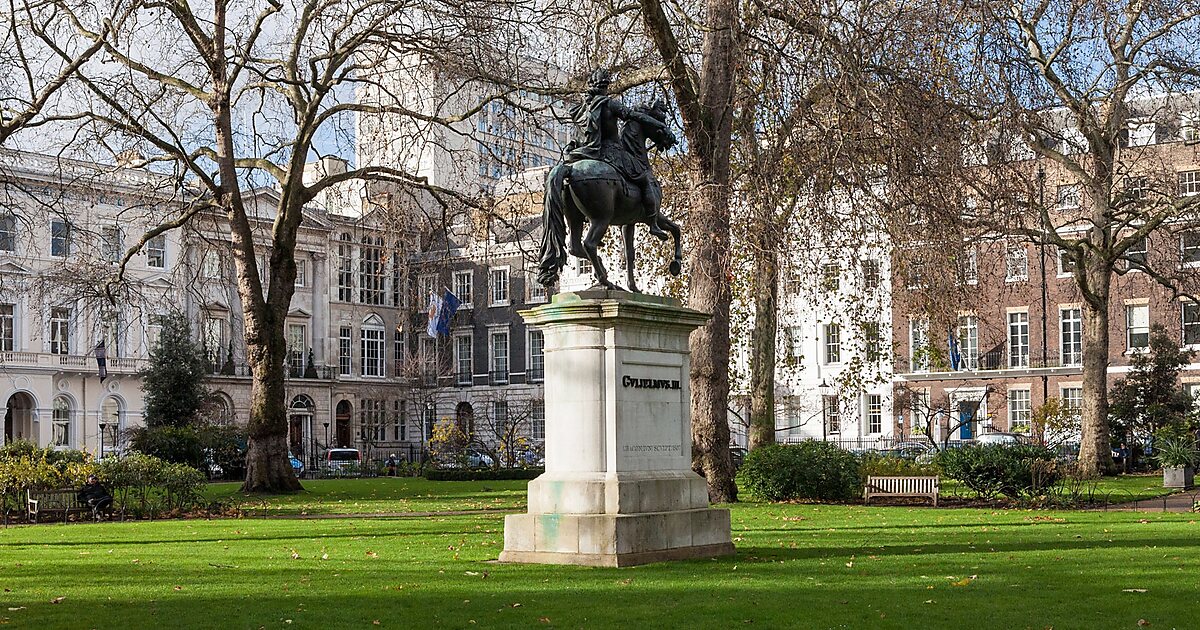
[[554, 227]]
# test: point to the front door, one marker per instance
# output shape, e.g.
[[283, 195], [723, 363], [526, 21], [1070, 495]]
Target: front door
[[967, 410]]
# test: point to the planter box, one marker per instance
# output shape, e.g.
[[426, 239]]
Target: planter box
[[1178, 477]]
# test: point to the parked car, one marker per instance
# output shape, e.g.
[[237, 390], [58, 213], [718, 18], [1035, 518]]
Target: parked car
[[998, 438], [478, 459], [908, 450], [297, 465], [738, 455], [337, 459]]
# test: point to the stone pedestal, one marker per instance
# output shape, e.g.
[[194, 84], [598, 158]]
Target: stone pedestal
[[618, 488]]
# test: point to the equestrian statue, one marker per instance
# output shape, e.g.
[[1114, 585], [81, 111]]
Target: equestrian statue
[[604, 180]]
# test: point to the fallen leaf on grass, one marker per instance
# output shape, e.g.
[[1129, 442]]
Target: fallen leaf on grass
[[1133, 590], [471, 573], [516, 604], [16, 608], [57, 600], [544, 619], [376, 623], [1142, 622], [179, 588], [372, 554]]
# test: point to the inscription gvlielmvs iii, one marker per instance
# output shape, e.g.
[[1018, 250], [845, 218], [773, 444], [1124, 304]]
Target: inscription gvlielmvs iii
[[649, 383]]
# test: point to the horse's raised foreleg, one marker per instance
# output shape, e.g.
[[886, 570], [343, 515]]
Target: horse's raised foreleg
[[630, 238], [673, 228]]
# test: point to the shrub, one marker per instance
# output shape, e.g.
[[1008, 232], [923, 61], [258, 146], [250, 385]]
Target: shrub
[[179, 444], [1179, 452], [809, 470], [225, 446], [1014, 471]]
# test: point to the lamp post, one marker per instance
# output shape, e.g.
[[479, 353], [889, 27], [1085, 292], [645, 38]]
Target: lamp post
[[825, 391], [326, 423], [100, 455]]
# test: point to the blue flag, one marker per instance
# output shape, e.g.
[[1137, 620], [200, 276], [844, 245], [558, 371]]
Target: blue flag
[[446, 310], [955, 357]]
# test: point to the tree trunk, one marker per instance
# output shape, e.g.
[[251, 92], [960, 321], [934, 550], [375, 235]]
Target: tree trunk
[[268, 468], [1095, 450], [763, 341]]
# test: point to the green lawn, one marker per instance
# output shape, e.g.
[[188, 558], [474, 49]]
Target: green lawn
[[385, 495], [805, 566], [1119, 489]]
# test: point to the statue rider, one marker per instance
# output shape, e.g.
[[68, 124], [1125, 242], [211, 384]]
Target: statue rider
[[598, 138]]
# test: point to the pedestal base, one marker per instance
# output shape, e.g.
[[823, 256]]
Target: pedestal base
[[616, 540]]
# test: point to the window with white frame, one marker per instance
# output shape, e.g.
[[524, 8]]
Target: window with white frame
[[1071, 337], [60, 429], [500, 416], [372, 346], [301, 272], [156, 252], [1066, 265], [1018, 339], [154, 326], [345, 346], [8, 233], [345, 274], [537, 356], [585, 267], [874, 413], [871, 340], [968, 341], [1189, 246], [426, 286], [1189, 183], [1072, 401], [60, 238], [113, 416], [538, 413], [794, 338], [60, 331], [1142, 132], [969, 266], [464, 359], [213, 336], [112, 244], [1135, 256], [1189, 126], [372, 420], [831, 277], [1016, 261], [7, 327], [537, 292], [297, 346], [833, 343], [112, 329], [498, 285], [1020, 410], [398, 268], [1137, 326], [211, 265], [430, 417], [498, 355], [371, 271], [833, 419], [399, 421], [464, 285], [1068, 196], [1191, 323], [871, 275], [918, 346]]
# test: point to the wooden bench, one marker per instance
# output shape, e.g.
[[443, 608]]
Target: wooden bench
[[901, 487], [64, 500]]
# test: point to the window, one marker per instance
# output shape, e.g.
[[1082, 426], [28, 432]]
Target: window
[[7, 328], [537, 292], [60, 331], [1016, 262], [968, 342], [301, 272], [214, 339], [1019, 408], [370, 271], [112, 330], [1136, 254], [1072, 336], [60, 238], [794, 336], [870, 271], [398, 347], [833, 420], [537, 357], [538, 413], [297, 335], [1142, 132], [60, 431], [1189, 183], [112, 244], [1072, 401], [211, 266], [8, 233], [499, 286], [1189, 126], [399, 422], [1137, 326], [430, 420], [154, 326], [463, 287], [1018, 340], [500, 417], [1068, 196], [464, 349], [1137, 188], [1191, 323], [345, 343], [874, 413], [111, 414], [345, 277], [918, 337], [397, 279], [156, 252], [372, 426], [427, 355], [1066, 265], [372, 346], [1189, 245], [969, 266], [498, 344], [871, 337], [830, 277], [833, 343]]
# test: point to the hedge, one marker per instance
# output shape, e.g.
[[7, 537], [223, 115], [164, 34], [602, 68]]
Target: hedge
[[502, 474]]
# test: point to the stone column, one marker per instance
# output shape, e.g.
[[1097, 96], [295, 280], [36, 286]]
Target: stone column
[[320, 303], [618, 488]]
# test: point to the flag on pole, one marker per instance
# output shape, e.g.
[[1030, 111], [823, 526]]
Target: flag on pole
[[435, 305], [955, 356], [102, 360], [446, 310]]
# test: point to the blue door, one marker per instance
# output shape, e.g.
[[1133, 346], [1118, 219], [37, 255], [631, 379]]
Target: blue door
[[966, 418]]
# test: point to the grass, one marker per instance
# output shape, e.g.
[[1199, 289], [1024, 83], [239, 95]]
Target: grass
[[384, 495], [805, 566]]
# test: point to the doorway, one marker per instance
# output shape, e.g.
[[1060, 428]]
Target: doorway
[[18, 418]]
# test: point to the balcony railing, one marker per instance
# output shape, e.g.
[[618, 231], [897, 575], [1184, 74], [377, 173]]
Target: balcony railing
[[70, 362], [996, 359]]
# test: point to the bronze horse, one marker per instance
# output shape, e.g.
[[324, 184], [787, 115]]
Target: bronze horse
[[596, 192]]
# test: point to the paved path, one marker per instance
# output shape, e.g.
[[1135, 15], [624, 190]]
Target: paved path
[[1177, 502]]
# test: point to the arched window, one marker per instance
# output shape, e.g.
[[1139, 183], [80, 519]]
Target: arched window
[[372, 346], [60, 430], [112, 415]]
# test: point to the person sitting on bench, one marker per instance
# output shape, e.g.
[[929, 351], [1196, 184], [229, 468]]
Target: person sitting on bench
[[96, 497]]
